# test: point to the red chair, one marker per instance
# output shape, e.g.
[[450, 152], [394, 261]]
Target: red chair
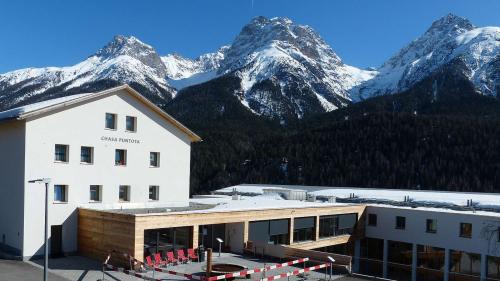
[[192, 255], [159, 261], [181, 256], [149, 262], [170, 258]]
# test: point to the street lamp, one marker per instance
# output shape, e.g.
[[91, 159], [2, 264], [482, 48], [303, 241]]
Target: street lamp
[[220, 244], [332, 260], [46, 181]]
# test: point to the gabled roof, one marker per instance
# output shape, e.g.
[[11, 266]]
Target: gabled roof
[[31, 110]]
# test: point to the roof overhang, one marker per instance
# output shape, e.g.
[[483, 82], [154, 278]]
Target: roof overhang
[[86, 98]]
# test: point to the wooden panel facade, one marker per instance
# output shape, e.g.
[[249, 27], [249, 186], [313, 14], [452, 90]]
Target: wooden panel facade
[[102, 231]]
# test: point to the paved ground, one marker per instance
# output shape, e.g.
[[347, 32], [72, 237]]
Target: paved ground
[[83, 269], [18, 270]]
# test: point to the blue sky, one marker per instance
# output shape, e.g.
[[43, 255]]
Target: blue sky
[[362, 32]]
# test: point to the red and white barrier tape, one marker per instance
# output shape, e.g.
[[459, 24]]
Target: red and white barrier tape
[[257, 270], [295, 272], [129, 272]]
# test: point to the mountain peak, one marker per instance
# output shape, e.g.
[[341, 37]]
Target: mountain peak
[[123, 45], [451, 23], [132, 47]]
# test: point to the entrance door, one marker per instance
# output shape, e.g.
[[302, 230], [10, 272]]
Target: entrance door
[[56, 241]]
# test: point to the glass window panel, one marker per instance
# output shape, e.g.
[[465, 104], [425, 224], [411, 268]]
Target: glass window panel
[[60, 193], [400, 222], [154, 159], [120, 157], [95, 193], [300, 223], [86, 154], [110, 121], [131, 124], [61, 153], [124, 193], [372, 219], [278, 227], [431, 226], [465, 230], [153, 192]]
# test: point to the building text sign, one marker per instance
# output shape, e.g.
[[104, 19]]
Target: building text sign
[[119, 139]]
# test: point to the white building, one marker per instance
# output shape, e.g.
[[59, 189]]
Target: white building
[[105, 150], [412, 235]]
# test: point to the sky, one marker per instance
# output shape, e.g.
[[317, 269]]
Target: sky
[[363, 33]]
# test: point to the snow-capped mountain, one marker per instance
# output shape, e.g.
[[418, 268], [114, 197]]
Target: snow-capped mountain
[[123, 60], [286, 70], [286, 67], [448, 40]]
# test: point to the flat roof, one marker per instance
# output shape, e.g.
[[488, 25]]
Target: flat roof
[[446, 200], [225, 203]]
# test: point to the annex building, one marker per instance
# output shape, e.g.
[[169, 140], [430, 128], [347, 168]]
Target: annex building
[[119, 170]]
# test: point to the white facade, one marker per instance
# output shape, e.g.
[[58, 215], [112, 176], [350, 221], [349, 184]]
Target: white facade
[[484, 239], [27, 147]]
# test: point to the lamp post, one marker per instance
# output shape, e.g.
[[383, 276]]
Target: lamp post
[[46, 181], [220, 244], [332, 260]]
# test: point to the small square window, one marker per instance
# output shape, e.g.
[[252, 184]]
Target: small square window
[[95, 193], [154, 192], [87, 155], [400, 222], [431, 226], [124, 193], [60, 193], [131, 124], [120, 157], [61, 153], [372, 219], [154, 159], [465, 230], [111, 121]]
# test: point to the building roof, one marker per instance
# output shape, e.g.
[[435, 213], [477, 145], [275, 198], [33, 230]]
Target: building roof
[[223, 203], [30, 110], [459, 201]]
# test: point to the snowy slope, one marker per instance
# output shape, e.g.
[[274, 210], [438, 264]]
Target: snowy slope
[[123, 60], [179, 67], [449, 38]]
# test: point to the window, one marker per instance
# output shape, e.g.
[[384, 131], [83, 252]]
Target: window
[[61, 153], [335, 225], [60, 193], [120, 157], [400, 222], [431, 226], [131, 124], [154, 192], [154, 159], [87, 155], [124, 194], [95, 193], [372, 219], [304, 229], [111, 121], [465, 230]]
